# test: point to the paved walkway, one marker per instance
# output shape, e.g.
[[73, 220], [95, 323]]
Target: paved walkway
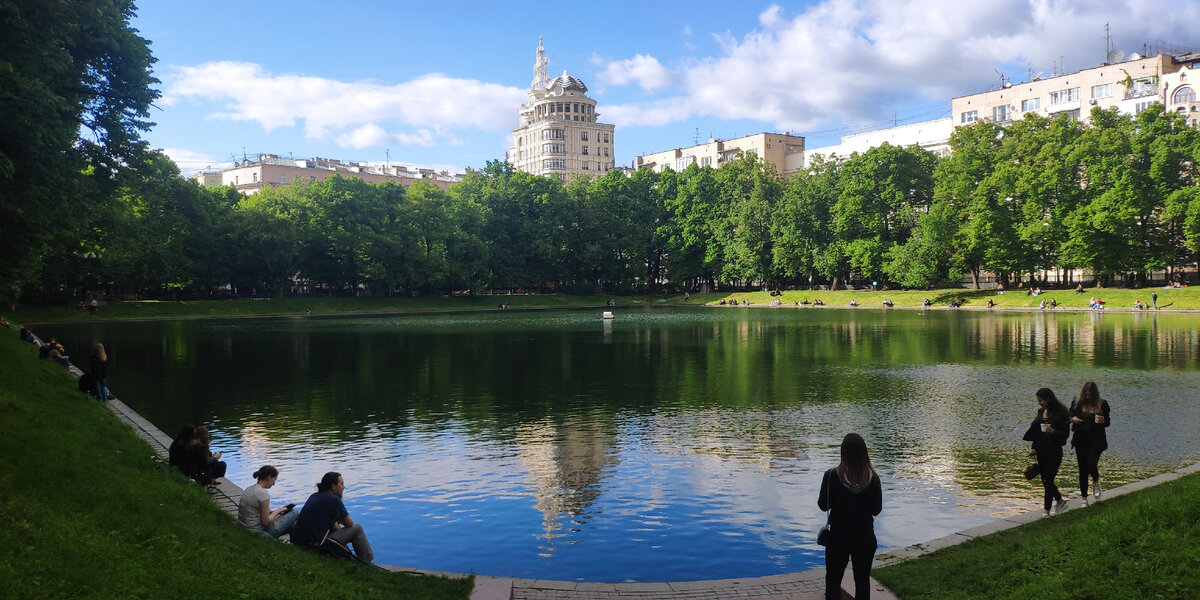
[[805, 585]]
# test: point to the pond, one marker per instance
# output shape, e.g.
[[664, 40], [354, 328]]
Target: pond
[[666, 444]]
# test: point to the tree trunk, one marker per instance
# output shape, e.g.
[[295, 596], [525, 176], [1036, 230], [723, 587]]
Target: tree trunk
[[833, 286], [975, 278]]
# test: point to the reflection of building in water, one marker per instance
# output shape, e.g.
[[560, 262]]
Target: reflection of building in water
[[565, 462]]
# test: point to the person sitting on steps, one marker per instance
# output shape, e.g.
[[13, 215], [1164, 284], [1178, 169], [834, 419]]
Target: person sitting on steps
[[324, 513]]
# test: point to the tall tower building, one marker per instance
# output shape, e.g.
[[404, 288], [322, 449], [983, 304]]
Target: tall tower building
[[559, 132]]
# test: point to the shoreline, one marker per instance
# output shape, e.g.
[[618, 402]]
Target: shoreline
[[652, 305]]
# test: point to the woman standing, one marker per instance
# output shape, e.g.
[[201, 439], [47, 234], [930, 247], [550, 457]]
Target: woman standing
[[254, 507], [853, 495], [1049, 432], [98, 366], [1089, 418]]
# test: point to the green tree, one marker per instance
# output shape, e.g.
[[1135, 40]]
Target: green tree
[[883, 192], [801, 226], [75, 90]]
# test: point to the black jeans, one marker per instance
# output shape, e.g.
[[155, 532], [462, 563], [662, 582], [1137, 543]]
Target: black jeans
[[858, 547], [1050, 460], [1087, 454]]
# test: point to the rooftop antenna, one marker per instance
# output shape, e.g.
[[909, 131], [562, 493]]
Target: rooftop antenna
[[1114, 56], [696, 137], [387, 156], [1003, 78]]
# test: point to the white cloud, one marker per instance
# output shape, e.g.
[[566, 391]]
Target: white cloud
[[353, 114], [645, 71], [862, 59], [190, 162]]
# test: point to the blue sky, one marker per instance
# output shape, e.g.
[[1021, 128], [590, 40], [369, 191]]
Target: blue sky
[[440, 84]]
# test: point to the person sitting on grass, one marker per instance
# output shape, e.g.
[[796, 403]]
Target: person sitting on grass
[[1053, 303], [59, 355], [324, 512], [254, 507], [177, 455], [207, 466], [26, 334], [990, 304], [4, 323]]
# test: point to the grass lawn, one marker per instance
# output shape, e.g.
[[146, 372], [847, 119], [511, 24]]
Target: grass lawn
[[1142, 545], [86, 512], [1119, 299], [263, 307]]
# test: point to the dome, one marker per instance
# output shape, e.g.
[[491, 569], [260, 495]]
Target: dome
[[568, 82]]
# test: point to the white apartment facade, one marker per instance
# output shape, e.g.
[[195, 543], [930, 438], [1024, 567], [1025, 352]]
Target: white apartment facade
[[933, 136], [783, 150], [1130, 85], [560, 134], [250, 177]]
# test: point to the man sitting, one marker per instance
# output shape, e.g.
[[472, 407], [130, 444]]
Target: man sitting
[[323, 512]]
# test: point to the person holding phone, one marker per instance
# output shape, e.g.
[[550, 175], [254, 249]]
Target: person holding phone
[[1089, 419], [324, 513], [254, 507], [1048, 433]]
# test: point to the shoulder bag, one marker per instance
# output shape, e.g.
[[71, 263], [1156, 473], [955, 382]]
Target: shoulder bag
[[826, 531]]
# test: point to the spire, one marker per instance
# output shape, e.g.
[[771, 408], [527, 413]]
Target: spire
[[540, 79]]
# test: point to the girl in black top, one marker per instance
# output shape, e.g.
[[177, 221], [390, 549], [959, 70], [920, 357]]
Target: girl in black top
[[1049, 432], [852, 494], [1089, 419]]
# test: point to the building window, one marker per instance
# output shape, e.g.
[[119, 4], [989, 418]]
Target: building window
[[969, 117], [575, 108], [585, 150], [1064, 96], [554, 163], [606, 150], [1102, 91], [606, 138], [283, 179], [1000, 114], [1031, 104], [1145, 86], [1072, 114], [1184, 95], [585, 165], [255, 175], [554, 148], [706, 161], [1140, 106], [553, 134], [583, 136]]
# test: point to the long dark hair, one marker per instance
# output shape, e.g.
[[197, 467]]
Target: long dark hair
[[185, 433], [1053, 406], [856, 461], [1089, 397], [328, 481]]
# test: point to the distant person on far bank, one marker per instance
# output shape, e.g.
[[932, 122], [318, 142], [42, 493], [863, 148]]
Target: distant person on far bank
[[1154, 299], [853, 495], [254, 507], [324, 512]]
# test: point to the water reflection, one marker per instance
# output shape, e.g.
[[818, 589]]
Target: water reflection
[[662, 445]]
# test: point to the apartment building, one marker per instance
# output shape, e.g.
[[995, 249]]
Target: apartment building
[[560, 133], [933, 136], [783, 150], [1130, 84], [251, 176]]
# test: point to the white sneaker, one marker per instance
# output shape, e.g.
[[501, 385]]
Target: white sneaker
[[1098, 490], [1061, 507], [1083, 503]]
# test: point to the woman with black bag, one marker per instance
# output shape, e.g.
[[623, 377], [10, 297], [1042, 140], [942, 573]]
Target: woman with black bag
[[853, 495], [1048, 432]]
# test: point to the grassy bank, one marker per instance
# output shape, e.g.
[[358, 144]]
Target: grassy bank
[[85, 512], [266, 307], [1119, 299], [1140, 545]]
